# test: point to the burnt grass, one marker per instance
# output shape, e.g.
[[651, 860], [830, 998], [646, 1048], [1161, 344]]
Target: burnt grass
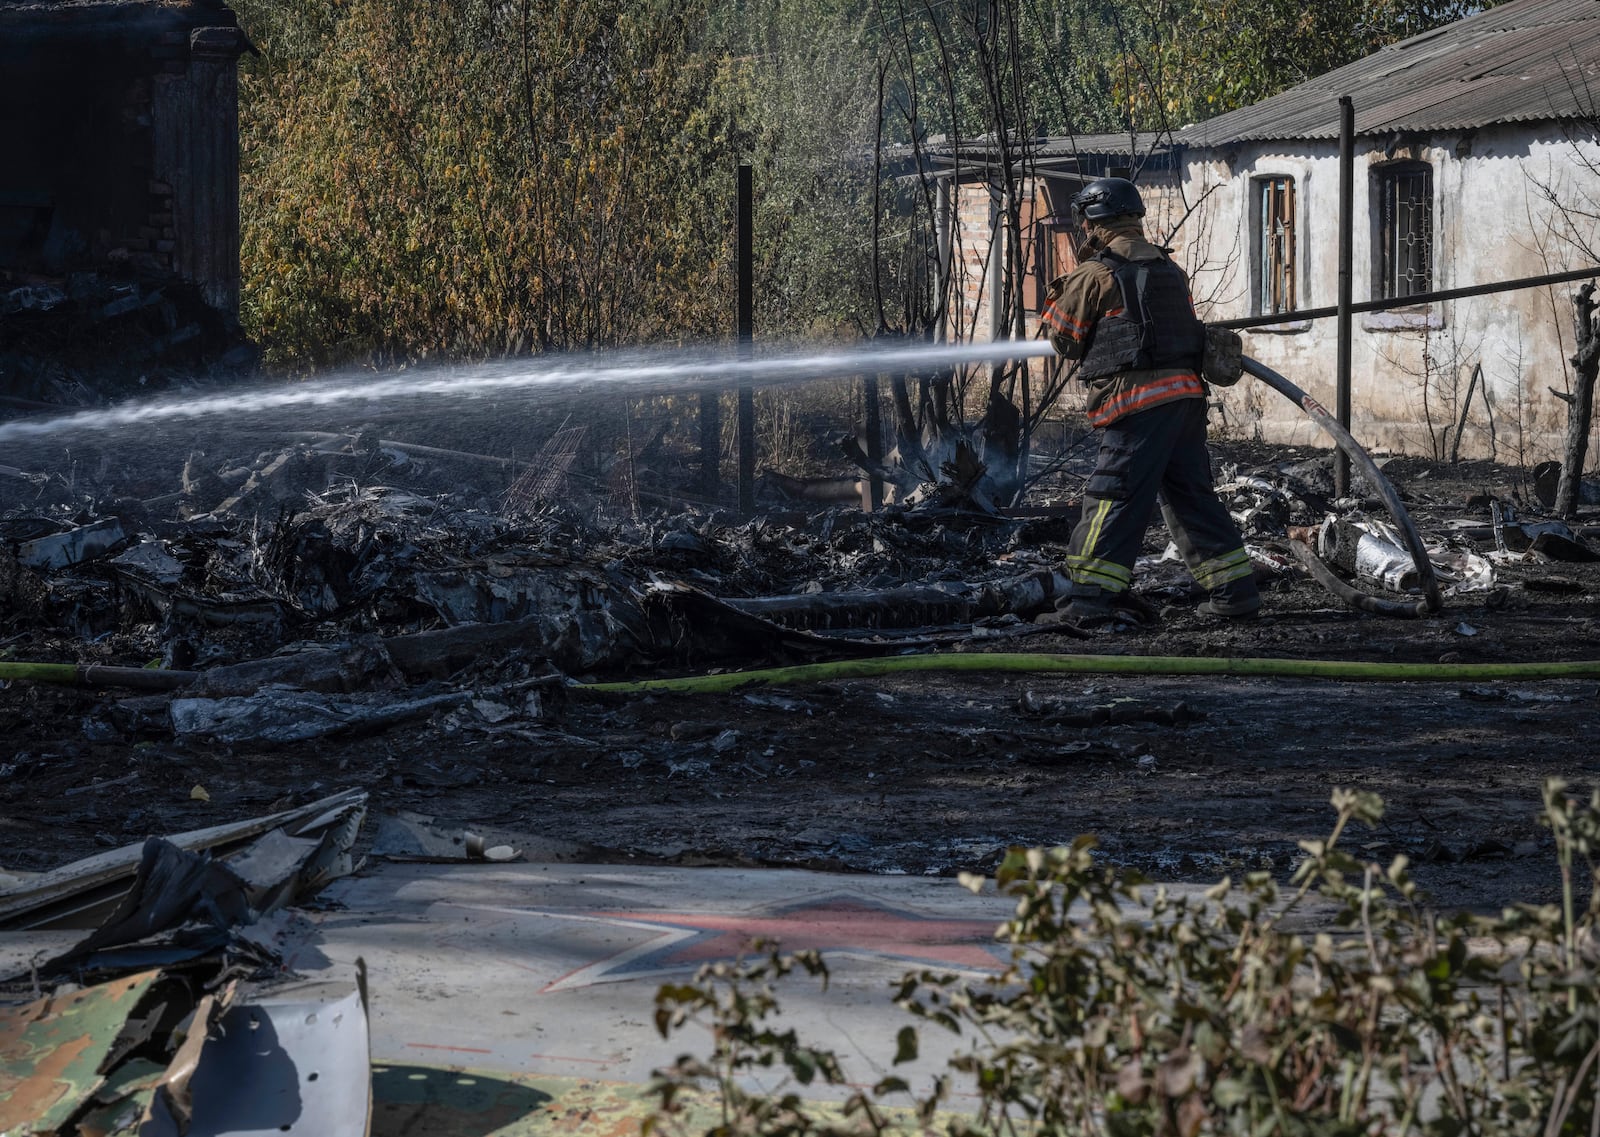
[[1183, 778]]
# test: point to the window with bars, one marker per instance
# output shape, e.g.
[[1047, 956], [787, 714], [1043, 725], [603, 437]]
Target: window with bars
[[1275, 245], [1405, 229]]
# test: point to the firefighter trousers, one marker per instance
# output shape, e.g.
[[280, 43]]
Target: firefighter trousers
[[1158, 454]]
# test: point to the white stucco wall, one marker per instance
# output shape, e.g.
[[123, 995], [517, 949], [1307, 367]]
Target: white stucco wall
[[1493, 220]]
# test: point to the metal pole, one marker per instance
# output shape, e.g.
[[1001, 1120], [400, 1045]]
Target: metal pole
[[874, 429], [744, 245], [1414, 299], [711, 443], [997, 252], [1347, 185], [942, 206]]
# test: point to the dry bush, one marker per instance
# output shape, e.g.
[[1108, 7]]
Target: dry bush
[[1127, 1011]]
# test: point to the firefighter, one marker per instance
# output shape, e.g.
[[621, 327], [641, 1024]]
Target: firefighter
[[1127, 316]]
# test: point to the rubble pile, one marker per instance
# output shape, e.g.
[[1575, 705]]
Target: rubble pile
[[317, 571], [345, 583], [263, 625]]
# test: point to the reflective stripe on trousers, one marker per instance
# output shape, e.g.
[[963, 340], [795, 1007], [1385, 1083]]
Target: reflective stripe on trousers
[[1084, 567], [1217, 571], [1158, 453]]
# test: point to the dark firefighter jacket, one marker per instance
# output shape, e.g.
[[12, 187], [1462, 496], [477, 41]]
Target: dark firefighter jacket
[[1088, 294]]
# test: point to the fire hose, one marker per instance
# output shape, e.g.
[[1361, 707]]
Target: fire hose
[[1036, 663], [1031, 662], [97, 675], [1325, 576]]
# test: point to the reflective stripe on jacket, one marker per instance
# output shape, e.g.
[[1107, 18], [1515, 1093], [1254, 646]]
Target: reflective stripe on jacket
[[1078, 301]]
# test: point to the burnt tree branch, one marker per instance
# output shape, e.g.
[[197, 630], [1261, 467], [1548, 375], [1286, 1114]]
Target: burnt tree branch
[[1580, 409]]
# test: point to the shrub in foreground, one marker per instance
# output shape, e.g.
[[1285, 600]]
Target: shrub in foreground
[[1127, 1011]]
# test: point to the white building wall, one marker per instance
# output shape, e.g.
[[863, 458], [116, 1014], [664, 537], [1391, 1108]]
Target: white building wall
[[1494, 219]]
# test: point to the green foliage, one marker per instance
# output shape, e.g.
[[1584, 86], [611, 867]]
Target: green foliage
[[1128, 1012], [1223, 54], [802, 74], [481, 178], [741, 999], [495, 177]]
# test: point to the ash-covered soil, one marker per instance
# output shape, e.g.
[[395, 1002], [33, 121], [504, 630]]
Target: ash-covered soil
[[916, 774], [1186, 778]]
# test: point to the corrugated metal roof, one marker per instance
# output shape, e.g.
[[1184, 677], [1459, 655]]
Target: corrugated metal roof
[[983, 149], [1527, 61], [1110, 145]]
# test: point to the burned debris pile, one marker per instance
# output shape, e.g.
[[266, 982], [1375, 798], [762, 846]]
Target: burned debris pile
[[266, 612], [72, 340], [346, 583], [345, 587]]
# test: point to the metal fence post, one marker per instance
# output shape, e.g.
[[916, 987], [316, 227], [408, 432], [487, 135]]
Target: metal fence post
[[1347, 181], [745, 253]]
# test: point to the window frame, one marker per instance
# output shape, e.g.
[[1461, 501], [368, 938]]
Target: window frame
[[1285, 275], [1397, 233], [1052, 236]]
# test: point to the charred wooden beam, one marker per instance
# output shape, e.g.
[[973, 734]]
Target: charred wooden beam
[[1580, 410]]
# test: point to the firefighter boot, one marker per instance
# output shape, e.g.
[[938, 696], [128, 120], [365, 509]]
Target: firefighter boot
[[1089, 609], [1232, 603]]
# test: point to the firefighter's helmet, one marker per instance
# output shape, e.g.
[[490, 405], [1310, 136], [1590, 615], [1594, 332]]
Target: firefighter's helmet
[[1105, 198]]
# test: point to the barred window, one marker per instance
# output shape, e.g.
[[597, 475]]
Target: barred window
[[1405, 229], [1275, 246]]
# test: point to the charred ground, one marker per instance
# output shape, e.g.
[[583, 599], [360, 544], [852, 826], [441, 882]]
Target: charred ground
[[352, 542]]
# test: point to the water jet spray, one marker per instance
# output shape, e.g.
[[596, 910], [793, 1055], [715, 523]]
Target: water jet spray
[[635, 373]]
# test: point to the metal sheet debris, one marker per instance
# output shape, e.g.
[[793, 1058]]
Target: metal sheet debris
[[280, 715], [74, 547], [52, 1052], [1369, 548], [183, 904], [149, 1053], [305, 1063], [82, 894]]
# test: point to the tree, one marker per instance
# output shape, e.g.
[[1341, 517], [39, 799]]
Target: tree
[[502, 176], [1007, 71], [481, 179], [1192, 59]]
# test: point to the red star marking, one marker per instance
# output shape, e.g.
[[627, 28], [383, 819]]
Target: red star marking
[[836, 924]]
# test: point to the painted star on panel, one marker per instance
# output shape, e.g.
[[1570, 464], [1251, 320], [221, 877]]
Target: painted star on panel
[[844, 925]]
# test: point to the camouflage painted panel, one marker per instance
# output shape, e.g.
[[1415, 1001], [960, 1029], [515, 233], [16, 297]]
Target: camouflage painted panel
[[51, 1051]]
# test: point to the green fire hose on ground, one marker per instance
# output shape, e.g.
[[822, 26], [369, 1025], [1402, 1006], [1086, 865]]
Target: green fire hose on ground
[[97, 675], [1034, 663]]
